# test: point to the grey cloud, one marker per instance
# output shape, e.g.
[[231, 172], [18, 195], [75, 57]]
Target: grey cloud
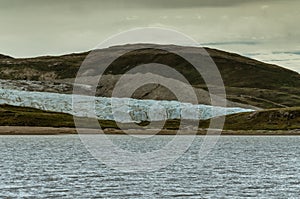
[[79, 4], [197, 3], [287, 52], [231, 43]]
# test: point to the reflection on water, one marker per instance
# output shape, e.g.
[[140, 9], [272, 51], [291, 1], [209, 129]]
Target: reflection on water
[[60, 166]]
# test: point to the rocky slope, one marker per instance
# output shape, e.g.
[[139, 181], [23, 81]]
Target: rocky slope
[[271, 119]]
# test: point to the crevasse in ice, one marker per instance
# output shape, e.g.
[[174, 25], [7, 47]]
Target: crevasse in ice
[[118, 109]]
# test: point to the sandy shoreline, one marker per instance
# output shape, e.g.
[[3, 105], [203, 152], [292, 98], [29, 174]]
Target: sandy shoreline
[[28, 130]]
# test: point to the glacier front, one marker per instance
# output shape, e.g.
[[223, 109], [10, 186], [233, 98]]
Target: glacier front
[[118, 109]]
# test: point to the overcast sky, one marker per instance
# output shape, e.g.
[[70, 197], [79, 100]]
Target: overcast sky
[[267, 30]]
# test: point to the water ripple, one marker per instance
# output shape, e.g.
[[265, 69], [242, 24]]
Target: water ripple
[[61, 167]]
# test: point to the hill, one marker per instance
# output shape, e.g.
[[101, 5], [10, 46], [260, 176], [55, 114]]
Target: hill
[[247, 81], [272, 119]]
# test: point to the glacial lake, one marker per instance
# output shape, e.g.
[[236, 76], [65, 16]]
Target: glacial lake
[[237, 167]]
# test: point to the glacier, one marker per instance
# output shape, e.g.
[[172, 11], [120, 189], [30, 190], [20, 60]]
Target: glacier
[[118, 109]]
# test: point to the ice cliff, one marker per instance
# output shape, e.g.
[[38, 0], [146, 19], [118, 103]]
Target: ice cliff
[[119, 109]]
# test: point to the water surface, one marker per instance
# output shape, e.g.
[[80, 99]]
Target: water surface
[[61, 167]]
